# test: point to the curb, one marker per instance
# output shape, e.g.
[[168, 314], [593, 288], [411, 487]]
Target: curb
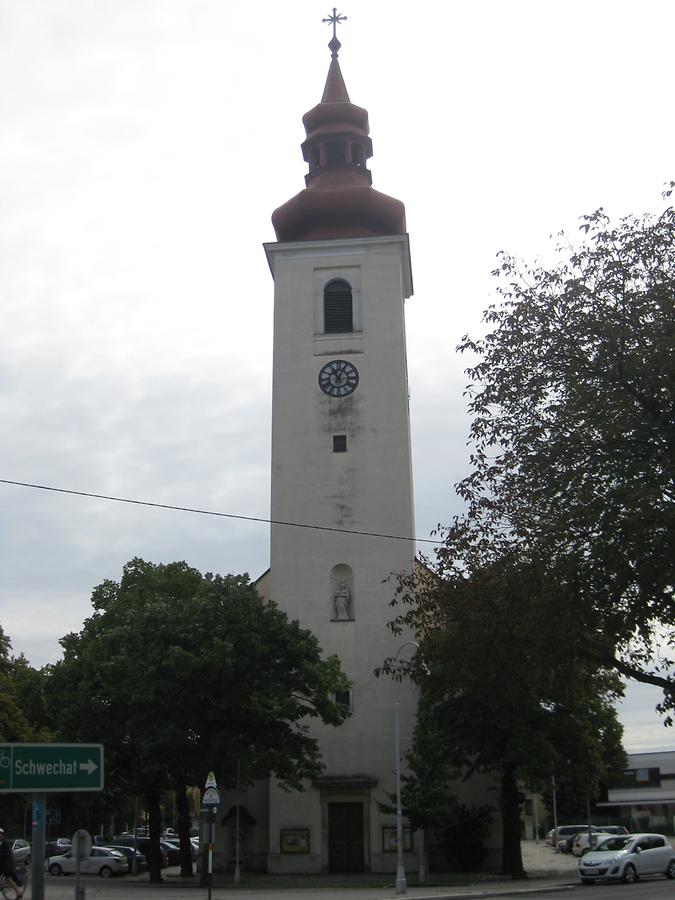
[[496, 892]]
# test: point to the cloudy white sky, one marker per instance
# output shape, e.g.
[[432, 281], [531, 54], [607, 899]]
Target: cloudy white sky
[[143, 147]]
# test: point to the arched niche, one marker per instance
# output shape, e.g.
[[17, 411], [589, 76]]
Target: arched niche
[[342, 593]]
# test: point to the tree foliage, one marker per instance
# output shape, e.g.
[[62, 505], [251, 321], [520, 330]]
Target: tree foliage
[[507, 688], [429, 801], [560, 573], [14, 725], [178, 673], [573, 433], [23, 712]]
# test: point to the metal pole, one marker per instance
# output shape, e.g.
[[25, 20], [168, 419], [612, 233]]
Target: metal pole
[[134, 864], [401, 884], [555, 814], [535, 799], [78, 883], [237, 873], [37, 890], [212, 813]]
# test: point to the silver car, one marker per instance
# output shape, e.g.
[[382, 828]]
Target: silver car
[[101, 861], [628, 857], [21, 850]]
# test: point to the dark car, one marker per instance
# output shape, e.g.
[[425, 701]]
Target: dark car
[[175, 841], [172, 851], [142, 844], [55, 848], [141, 859]]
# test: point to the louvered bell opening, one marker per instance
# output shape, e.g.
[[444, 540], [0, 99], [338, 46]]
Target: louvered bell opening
[[337, 307]]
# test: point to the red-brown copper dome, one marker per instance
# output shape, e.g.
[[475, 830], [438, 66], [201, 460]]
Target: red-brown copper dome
[[338, 201]]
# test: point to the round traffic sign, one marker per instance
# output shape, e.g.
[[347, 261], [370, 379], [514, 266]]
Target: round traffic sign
[[81, 844]]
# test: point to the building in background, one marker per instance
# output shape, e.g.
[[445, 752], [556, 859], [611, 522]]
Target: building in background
[[645, 799]]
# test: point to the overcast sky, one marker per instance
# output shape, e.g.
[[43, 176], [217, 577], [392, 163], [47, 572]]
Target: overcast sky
[[143, 147]]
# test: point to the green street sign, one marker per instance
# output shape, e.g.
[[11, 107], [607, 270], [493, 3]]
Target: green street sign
[[33, 768]]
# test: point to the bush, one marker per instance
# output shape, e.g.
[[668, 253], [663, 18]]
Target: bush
[[463, 837]]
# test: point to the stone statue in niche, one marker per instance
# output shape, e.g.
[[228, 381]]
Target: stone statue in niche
[[342, 601]]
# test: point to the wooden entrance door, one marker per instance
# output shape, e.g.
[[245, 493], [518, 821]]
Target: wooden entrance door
[[345, 837]]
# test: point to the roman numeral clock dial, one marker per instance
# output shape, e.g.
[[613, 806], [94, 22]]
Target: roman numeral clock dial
[[338, 378]]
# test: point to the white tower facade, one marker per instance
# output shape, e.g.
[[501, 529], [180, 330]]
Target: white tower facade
[[341, 462], [341, 473]]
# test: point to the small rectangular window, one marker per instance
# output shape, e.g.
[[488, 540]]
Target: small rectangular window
[[344, 698], [339, 443]]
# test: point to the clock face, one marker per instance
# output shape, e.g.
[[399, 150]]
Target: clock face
[[338, 378]]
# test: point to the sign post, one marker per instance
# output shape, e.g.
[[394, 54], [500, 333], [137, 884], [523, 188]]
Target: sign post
[[37, 829], [210, 802], [81, 847], [38, 769], [28, 768]]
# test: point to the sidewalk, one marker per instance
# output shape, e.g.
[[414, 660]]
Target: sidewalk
[[547, 870]]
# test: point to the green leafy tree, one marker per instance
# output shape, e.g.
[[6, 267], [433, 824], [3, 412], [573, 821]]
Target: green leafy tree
[[507, 688], [30, 686], [178, 673], [573, 433], [22, 718], [14, 726], [429, 802]]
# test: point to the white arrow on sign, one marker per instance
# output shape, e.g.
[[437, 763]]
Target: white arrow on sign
[[89, 767]]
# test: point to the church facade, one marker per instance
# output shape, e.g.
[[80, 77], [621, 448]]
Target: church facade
[[341, 464]]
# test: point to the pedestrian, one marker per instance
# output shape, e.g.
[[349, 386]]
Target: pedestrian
[[8, 864]]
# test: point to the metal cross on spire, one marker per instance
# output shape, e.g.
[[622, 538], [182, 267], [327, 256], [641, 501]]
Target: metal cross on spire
[[335, 20]]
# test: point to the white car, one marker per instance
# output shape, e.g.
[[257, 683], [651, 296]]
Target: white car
[[21, 850], [628, 857], [101, 861], [581, 845]]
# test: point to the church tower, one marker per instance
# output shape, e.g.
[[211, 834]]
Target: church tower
[[341, 463]]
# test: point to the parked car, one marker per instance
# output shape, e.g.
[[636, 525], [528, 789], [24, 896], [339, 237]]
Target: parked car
[[565, 833], [103, 861], [53, 848], [628, 857], [21, 851], [175, 843], [172, 851], [581, 844], [141, 859], [142, 844]]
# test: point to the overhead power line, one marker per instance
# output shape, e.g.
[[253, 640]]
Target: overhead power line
[[210, 512]]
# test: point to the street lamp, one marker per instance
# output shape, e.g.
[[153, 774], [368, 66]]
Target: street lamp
[[401, 883]]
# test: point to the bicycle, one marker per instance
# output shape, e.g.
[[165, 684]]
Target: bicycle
[[9, 889]]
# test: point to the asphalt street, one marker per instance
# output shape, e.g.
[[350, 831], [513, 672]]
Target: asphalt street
[[551, 874]]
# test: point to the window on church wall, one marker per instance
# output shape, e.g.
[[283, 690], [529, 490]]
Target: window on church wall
[[338, 307], [343, 698], [336, 153], [341, 593], [339, 443]]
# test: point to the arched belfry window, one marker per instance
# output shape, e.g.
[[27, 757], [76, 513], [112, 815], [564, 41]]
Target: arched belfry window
[[336, 153], [338, 311], [358, 156], [314, 159]]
